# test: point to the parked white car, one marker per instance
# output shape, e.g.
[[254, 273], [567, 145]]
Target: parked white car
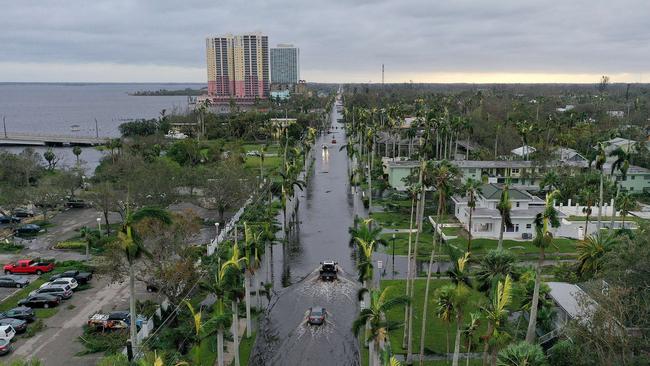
[[62, 282], [7, 332]]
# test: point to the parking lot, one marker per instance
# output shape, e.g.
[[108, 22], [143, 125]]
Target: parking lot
[[6, 292], [58, 344]]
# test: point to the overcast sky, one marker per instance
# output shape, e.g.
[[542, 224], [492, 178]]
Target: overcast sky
[[340, 40]]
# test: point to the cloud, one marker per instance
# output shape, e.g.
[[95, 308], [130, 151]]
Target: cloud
[[421, 38]]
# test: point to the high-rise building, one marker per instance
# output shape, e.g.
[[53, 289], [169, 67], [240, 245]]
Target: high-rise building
[[285, 64], [238, 66]]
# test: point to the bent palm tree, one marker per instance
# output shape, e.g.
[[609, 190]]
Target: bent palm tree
[[495, 312], [471, 190], [504, 206]]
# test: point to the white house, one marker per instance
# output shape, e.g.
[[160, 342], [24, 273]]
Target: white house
[[486, 219], [523, 151]]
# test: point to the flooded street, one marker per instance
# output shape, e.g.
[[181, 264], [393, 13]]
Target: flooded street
[[326, 210]]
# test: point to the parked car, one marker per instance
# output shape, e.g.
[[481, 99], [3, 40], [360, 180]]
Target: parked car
[[115, 320], [62, 291], [28, 266], [253, 153], [21, 312], [76, 203], [28, 229], [9, 219], [13, 281], [316, 315], [20, 326], [81, 277], [65, 281], [40, 300], [23, 212], [7, 332], [5, 346]]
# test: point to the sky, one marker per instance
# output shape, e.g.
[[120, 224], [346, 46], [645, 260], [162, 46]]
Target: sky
[[478, 41]]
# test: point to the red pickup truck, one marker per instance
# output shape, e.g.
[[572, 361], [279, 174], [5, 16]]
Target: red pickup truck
[[28, 266]]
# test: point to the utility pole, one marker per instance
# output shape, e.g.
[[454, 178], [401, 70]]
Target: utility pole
[[96, 129], [4, 125], [382, 75]]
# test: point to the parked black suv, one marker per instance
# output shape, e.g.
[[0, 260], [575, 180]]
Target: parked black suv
[[81, 277]]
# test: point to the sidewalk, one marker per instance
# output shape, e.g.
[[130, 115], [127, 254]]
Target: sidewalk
[[229, 352]]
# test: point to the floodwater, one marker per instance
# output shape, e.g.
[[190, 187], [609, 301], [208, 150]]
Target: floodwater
[[326, 210]]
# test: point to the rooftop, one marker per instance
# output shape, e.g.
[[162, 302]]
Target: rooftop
[[494, 191], [571, 299]]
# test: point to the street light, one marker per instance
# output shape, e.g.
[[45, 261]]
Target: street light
[[216, 224], [393, 267], [99, 225]]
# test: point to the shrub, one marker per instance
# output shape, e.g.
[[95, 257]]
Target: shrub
[[70, 245]]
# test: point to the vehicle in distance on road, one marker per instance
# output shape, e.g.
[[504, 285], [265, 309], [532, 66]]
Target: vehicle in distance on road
[[115, 320], [28, 229], [9, 219], [328, 270], [28, 266], [21, 312], [40, 301], [333, 141], [76, 203], [7, 332], [20, 326], [65, 281], [62, 291], [81, 277], [5, 346], [13, 281], [316, 315], [23, 212]]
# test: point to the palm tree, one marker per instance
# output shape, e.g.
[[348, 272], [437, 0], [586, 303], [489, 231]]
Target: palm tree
[[592, 250], [263, 151], [445, 309], [504, 206], [543, 238], [235, 264], [131, 246], [522, 354], [622, 164], [375, 316], [220, 318], [413, 192], [525, 128], [288, 185], [444, 177], [588, 197], [600, 162], [470, 331], [493, 268], [252, 248], [549, 182], [471, 190], [495, 312], [367, 238], [625, 203], [77, 152], [461, 295]]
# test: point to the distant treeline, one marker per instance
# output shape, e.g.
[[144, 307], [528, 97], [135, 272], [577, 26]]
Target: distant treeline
[[165, 92]]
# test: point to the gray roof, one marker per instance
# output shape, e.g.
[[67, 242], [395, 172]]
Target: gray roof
[[570, 298], [494, 191]]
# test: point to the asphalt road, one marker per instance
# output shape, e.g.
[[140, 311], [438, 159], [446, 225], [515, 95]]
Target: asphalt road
[[326, 211]]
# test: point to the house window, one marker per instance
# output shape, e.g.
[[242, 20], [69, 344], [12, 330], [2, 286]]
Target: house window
[[515, 171], [510, 228], [646, 177], [529, 226], [632, 177], [486, 227], [516, 228], [472, 170], [517, 204]]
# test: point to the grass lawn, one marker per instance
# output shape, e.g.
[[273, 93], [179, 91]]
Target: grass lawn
[[402, 243], [245, 348], [452, 231], [391, 220], [436, 331], [12, 301], [11, 247], [270, 162], [481, 245], [208, 350]]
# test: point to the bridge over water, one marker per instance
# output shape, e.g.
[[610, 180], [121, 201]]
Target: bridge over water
[[25, 139]]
